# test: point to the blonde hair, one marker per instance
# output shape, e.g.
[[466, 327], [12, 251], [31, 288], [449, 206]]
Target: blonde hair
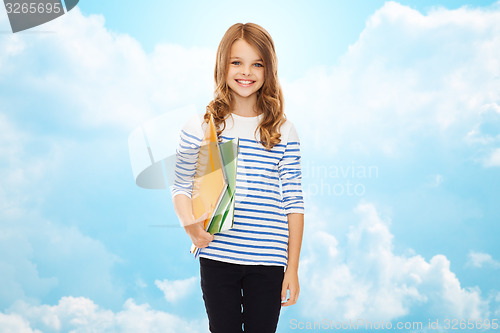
[[269, 97]]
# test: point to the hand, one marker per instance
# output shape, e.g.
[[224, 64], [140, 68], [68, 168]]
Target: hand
[[290, 282], [199, 236]]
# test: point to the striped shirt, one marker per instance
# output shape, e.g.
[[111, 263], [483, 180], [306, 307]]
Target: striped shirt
[[268, 187]]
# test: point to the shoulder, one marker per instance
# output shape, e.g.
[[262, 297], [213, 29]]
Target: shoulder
[[195, 125], [289, 132]]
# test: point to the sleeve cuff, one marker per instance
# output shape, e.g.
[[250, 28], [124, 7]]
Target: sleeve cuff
[[177, 192], [294, 210]]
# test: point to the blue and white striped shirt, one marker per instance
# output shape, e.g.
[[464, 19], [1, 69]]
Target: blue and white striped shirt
[[268, 187]]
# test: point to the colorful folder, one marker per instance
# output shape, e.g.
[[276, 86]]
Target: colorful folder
[[224, 214], [215, 183]]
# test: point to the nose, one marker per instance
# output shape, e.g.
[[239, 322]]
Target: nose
[[246, 71]]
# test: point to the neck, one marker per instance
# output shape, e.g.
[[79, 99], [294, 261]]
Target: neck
[[245, 106]]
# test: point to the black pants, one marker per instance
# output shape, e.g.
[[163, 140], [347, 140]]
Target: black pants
[[241, 294]]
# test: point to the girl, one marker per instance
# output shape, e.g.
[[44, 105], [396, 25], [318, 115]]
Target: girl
[[243, 276]]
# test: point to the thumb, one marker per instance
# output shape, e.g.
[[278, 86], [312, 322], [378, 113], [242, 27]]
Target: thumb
[[283, 292]]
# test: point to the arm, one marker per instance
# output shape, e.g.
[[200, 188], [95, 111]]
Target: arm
[[291, 279], [185, 170], [291, 179]]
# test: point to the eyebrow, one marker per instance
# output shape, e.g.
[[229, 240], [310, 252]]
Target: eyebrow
[[238, 58]]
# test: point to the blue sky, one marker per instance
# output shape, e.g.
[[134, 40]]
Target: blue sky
[[397, 108]]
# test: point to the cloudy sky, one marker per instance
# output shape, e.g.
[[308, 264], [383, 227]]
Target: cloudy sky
[[397, 105]]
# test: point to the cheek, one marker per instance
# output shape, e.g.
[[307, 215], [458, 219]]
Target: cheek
[[262, 77], [230, 72], [230, 77]]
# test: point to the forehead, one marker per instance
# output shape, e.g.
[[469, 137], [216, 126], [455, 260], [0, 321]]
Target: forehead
[[243, 50]]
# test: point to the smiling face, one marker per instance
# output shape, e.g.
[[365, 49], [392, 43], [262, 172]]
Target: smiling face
[[245, 74]]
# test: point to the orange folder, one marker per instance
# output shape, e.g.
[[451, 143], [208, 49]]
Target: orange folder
[[210, 181]]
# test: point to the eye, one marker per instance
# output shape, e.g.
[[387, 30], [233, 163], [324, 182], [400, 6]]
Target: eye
[[236, 63], [258, 65]]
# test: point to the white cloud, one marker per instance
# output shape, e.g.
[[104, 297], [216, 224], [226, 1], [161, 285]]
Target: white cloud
[[18, 172], [408, 74], [435, 180], [496, 298], [493, 160], [88, 76], [79, 76], [474, 136], [438, 179], [365, 278], [13, 323], [80, 314], [480, 259], [177, 289], [38, 255], [408, 79], [139, 283]]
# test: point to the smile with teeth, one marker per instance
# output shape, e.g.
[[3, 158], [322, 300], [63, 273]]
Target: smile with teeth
[[245, 83]]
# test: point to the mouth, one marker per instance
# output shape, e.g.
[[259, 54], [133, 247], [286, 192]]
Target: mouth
[[245, 83]]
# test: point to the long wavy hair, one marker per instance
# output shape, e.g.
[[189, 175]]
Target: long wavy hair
[[269, 96]]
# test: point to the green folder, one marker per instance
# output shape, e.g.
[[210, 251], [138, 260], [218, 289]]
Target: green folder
[[224, 214]]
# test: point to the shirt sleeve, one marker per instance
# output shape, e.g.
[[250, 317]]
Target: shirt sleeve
[[291, 175], [190, 140]]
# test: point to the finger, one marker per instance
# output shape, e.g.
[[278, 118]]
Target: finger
[[283, 292], [297, 296], [208, 237], [205, 233], [284, 288], [293, 297], [203, 244]]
